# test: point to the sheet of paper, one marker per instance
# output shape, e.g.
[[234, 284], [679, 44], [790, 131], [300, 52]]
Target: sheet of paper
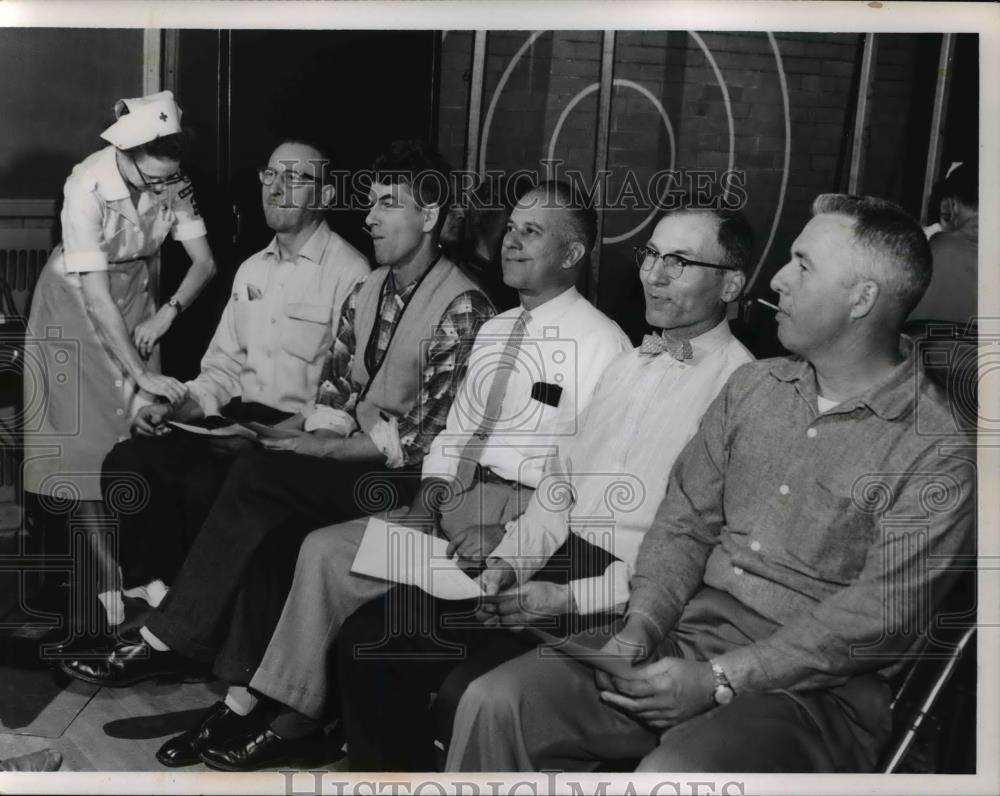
[[269, 432], [406, 555], [228, 429], [594, 658]]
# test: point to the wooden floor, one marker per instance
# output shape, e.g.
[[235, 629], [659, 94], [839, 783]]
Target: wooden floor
[[121, 729]]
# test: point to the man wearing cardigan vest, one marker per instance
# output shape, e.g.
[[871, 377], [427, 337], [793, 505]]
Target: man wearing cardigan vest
[[400, 353]]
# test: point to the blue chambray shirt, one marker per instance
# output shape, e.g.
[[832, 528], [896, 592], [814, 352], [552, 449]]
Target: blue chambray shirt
[[834, 526]]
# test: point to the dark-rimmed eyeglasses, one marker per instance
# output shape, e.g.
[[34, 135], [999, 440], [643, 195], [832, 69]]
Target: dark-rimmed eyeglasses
[[149, 181], [267, 176], [674, 264]]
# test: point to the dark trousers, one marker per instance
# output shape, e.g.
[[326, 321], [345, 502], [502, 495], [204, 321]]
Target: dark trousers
[[268, 503], [397, 650], [159, 489]]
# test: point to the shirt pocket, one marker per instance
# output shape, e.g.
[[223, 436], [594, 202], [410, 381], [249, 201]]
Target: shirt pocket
[[247, 316], [305, 329], [834, 535]]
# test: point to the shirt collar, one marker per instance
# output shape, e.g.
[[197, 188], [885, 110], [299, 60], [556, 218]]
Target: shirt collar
[[312, 249], [889, 398], [712, 340], [109, 179], [553, 309]]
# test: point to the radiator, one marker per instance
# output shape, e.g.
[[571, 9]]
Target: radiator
[[23, 253]]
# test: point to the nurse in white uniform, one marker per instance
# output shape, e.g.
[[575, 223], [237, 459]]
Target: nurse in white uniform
[[92, 357]]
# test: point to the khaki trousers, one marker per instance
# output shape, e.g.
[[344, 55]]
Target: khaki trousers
[[325, 593]]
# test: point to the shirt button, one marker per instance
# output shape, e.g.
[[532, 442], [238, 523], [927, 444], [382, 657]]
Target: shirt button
[[783, 489], [119, 412], [811, 433], [120, 302], [118, 382], [123, 276], [737, 570], [755, 545]]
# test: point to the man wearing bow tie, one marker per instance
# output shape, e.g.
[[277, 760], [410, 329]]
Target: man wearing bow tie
[[603, 489]]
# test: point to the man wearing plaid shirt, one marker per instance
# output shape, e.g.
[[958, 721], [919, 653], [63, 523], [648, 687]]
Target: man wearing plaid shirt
[[401, 350]]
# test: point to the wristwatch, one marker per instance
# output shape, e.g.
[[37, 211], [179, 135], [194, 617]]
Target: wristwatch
[[722, 692], [176, 304]]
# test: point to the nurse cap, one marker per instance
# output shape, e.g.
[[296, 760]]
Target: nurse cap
[[143, 119]]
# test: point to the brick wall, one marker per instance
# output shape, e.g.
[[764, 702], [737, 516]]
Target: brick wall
[[821, 74]]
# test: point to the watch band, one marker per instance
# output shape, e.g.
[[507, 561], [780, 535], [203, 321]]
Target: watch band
[[176, 304]]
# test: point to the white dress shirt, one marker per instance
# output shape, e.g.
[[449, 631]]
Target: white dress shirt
[[279, 323], [608, 480], [567, 345]]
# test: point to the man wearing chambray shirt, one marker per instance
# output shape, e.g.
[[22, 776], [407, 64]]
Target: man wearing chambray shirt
[[777, 588]]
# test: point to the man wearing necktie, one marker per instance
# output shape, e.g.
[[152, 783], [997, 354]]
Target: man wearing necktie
[[531, 370], [599, 495]]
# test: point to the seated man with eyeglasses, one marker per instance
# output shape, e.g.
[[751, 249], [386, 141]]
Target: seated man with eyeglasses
[[263, 363]]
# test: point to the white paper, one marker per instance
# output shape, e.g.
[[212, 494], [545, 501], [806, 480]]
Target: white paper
[[616, 665], [393, 552], [232, 430]]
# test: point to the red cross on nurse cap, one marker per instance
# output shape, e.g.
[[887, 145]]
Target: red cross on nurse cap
[[142, 119]]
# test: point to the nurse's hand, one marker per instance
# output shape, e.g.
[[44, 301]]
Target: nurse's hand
[[149, 331], [158, 384]]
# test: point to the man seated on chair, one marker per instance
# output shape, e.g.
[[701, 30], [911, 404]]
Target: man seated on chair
[[263, 363], [531, 371], [805, 533], [566, 562], [388, 382], [954, 289]]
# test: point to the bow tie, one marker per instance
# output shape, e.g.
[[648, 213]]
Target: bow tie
[[653, 345]]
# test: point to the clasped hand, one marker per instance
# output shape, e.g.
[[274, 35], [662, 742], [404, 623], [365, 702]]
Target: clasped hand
[[511, 606], [661, 694]]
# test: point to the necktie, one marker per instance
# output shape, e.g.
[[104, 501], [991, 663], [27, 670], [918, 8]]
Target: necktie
[[653, 345], [491, 411]]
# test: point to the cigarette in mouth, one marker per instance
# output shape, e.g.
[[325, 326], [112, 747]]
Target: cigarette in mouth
[[774, 307]]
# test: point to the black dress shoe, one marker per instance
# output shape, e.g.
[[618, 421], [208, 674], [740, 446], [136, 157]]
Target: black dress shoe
[[264, 749], [131, 661], [218, 723], [74, 645]]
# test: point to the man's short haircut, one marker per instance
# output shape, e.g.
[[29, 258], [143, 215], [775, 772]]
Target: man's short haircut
[[735, 236], [313, 142], [582, 217], [419, 165], [900, 256], [962, 184]]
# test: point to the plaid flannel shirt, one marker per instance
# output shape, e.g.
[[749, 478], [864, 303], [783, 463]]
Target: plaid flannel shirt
[[447, 358]]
